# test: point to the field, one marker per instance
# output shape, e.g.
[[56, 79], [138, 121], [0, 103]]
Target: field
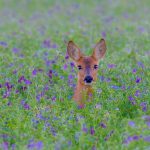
[[37, 79]]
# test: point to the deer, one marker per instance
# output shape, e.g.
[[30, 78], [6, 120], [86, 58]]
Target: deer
[[87, 70]]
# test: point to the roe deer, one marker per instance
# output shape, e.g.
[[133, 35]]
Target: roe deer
[[88, 67]]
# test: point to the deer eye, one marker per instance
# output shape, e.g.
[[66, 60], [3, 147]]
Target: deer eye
[[95, 66], [79, 67]]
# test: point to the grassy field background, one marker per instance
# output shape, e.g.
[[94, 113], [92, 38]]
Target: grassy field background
[[37, 78]]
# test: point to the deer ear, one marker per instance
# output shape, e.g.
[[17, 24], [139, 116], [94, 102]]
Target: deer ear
[[99, 50], [73, 51]]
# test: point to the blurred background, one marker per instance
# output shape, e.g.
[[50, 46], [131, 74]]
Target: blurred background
[[84, 21]]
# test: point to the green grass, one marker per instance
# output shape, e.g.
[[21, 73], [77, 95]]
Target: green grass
[[41, 114]]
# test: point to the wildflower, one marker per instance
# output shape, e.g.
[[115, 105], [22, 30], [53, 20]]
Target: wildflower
[[103, 33], [27, 82], [6, 94], [14, 71], [140, 64], [15, 50], [26, 106], [102, 78], [65, 66], [137, 93], [54, 46], [102, 125], [69, 143], [132, 138], [130, 98], [115, 87], [50, 74], [72, 64], [46, 43], [134, 70], [4, 145], [66, 57], [111, 66], [9, 86], [54, 98], [98, 106], [147, 138], [131, 123], [143, 106], [35, 145], [3, 44], [138, 80], [22, 78], [34, 72], [92, 131], [84, 128]]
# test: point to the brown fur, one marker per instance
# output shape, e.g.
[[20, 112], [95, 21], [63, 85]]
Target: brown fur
[[83, 92]]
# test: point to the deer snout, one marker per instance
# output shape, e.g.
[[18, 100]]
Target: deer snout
[[88, 79]]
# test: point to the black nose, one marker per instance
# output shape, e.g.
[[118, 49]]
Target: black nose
[[88, 79]]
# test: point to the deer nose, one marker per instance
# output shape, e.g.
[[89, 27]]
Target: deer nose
[[88, 79]]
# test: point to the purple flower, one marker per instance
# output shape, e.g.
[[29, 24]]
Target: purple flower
[[103, 33], [9, 103], [102, 78], [93, 147], [69, 143], [132, 138], [4, 145], [14, 71], [54, 46], [50, 74], [115, 87], [98, 106], [23, 88], [111, 66], [72, 64], [26, 106], [131, 98], [27, 82], [6, 94], [134, 70], [84, 128], [147, 138], [143, 106], [9, 86], [123, 87], [137, 93], [4, 44], [138, 80], [35, 145], [140, 64], [92, 131], [67, 56], [34, 72], [46, 43], [102, 125], [15, 50], [70, 77], [65, 66], [131, 123], [22, 78], [54, 98]]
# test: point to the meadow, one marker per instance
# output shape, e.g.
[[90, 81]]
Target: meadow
[[37, 78]]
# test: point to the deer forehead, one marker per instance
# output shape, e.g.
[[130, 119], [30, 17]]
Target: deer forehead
[[87, 61]]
